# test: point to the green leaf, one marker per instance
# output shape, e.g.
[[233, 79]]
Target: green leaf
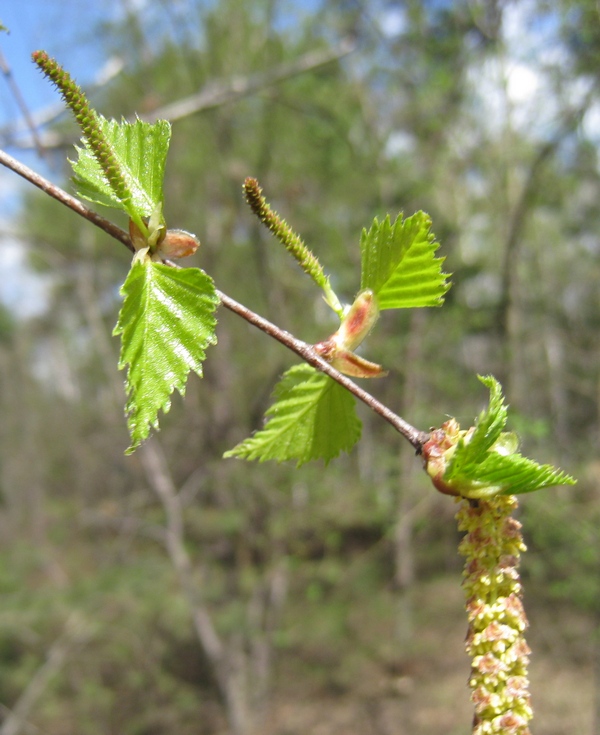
[[313, 417], [487, 431], [514, 475], [486, 461], [166, 322], [141, 151], [399, 263]]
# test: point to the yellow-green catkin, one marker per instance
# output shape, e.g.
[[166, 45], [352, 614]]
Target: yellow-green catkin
[[495, 643]]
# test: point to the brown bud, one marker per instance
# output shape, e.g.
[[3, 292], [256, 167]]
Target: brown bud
[[359, 320], [357, 367], [177, 244]]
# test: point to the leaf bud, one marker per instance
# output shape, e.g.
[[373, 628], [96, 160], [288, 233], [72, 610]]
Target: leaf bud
[[358, 321], [356, 325], [437, 454], [177, 244]]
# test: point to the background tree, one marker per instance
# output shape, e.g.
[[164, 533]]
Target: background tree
[[295, 574]]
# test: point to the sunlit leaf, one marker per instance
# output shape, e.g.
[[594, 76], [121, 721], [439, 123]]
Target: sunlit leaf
[[486, 461], [166, 323], [140, 149], [399, 263], [487, 431], [514, 475], [313, 417]]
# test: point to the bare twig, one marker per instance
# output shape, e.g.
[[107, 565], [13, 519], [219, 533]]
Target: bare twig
[[69, 201], [416, 437], [42, 117], [22, 105], [220, 94]]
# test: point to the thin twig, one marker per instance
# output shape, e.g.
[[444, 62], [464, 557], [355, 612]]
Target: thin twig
[[42, 117], [220, 94], [307, 353], [69, 201], [416, 437], [22, 105]]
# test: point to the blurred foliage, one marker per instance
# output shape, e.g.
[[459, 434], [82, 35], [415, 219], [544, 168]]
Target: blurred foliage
[[428, 112]]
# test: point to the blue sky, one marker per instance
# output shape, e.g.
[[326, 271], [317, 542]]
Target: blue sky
[[50, 25], [67, 30], [63, 28]]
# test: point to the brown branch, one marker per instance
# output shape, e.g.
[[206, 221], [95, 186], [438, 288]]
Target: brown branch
[[416, 437], [69, 201], [307, 353]]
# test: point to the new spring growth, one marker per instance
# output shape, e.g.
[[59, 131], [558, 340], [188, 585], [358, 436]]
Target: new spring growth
[[483, 467], [495, 642], [88, 121], [338, 349], [161, 245], [292, 242], [483, 461], [439, 451]]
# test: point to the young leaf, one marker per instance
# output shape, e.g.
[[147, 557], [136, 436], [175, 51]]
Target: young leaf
[[488, 428], [399, 263], [166, 322], [313, 417], [513, 475], [140, 150], [484, 461]]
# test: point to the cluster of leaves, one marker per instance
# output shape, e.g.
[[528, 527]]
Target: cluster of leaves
[[167, 320], [484, 461], [312, 416]]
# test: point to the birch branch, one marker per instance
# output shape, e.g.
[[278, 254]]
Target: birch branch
[[304, 350]]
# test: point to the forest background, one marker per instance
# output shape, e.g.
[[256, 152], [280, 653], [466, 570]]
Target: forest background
[[333, 592]]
